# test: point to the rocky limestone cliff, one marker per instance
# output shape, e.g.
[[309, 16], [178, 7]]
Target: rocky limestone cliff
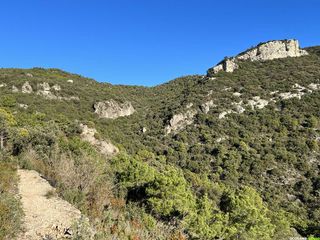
[[264, 51], [112, 109]]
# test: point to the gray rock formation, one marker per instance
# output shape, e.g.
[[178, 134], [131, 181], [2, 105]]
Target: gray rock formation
[[112, 109], [105, 147], [26, 88], [23, 106], [29, 75], [205, 107], [15, 89], [44, 90], [180, 121], [56, 87], [257, 103], [264, 51]]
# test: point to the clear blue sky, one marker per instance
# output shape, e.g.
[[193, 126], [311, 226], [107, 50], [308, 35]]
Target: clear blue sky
[[145, 42]]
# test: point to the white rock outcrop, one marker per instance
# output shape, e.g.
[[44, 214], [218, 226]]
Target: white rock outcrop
[[257, 103], [314, 86], [26, 88], [44, 90], [23, 106], [180, 121], [56, 87], [112, 109], [236, 94], [15, 89], [105, 147], [29, 75], [264, 51], [205, 107], [225, 113], [238, 107]]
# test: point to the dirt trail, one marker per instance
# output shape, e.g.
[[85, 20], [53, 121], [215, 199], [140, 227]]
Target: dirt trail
[[45, 218]]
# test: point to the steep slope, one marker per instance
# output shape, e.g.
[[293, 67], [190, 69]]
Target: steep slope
[[213, 142]]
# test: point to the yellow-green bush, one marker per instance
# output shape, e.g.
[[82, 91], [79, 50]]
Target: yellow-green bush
[[10, 209]]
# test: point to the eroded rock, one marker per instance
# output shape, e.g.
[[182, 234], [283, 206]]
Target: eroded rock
[[205, 107], [26, 88], [15, 89], [105, 147], [23, 106], [257, 103], [56, 87], [44, 90], [29, 75], [180, 121], [264, 51], [112, 109]]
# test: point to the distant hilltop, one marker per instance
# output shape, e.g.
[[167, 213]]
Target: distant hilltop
[[263, 51]]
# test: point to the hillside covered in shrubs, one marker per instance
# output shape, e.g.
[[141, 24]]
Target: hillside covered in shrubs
[[241, 159]]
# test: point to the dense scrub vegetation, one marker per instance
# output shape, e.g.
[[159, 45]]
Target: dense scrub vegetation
[[253, 175]]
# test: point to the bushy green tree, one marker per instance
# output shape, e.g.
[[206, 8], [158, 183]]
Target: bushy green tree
[[207, 222], [169, 194], [248, 215], [6, 121]]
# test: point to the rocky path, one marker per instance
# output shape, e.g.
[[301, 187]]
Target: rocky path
[[45, 217]]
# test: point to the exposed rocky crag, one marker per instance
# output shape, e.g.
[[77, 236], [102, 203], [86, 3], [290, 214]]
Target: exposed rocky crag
[[205, 107], [112, 109], [181, 120], [26, 88], [105, 147], [264, 51], [44, 90]]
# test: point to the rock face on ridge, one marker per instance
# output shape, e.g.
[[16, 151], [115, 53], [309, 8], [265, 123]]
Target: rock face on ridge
[[179, 121], [264, 51], [112, 109]]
